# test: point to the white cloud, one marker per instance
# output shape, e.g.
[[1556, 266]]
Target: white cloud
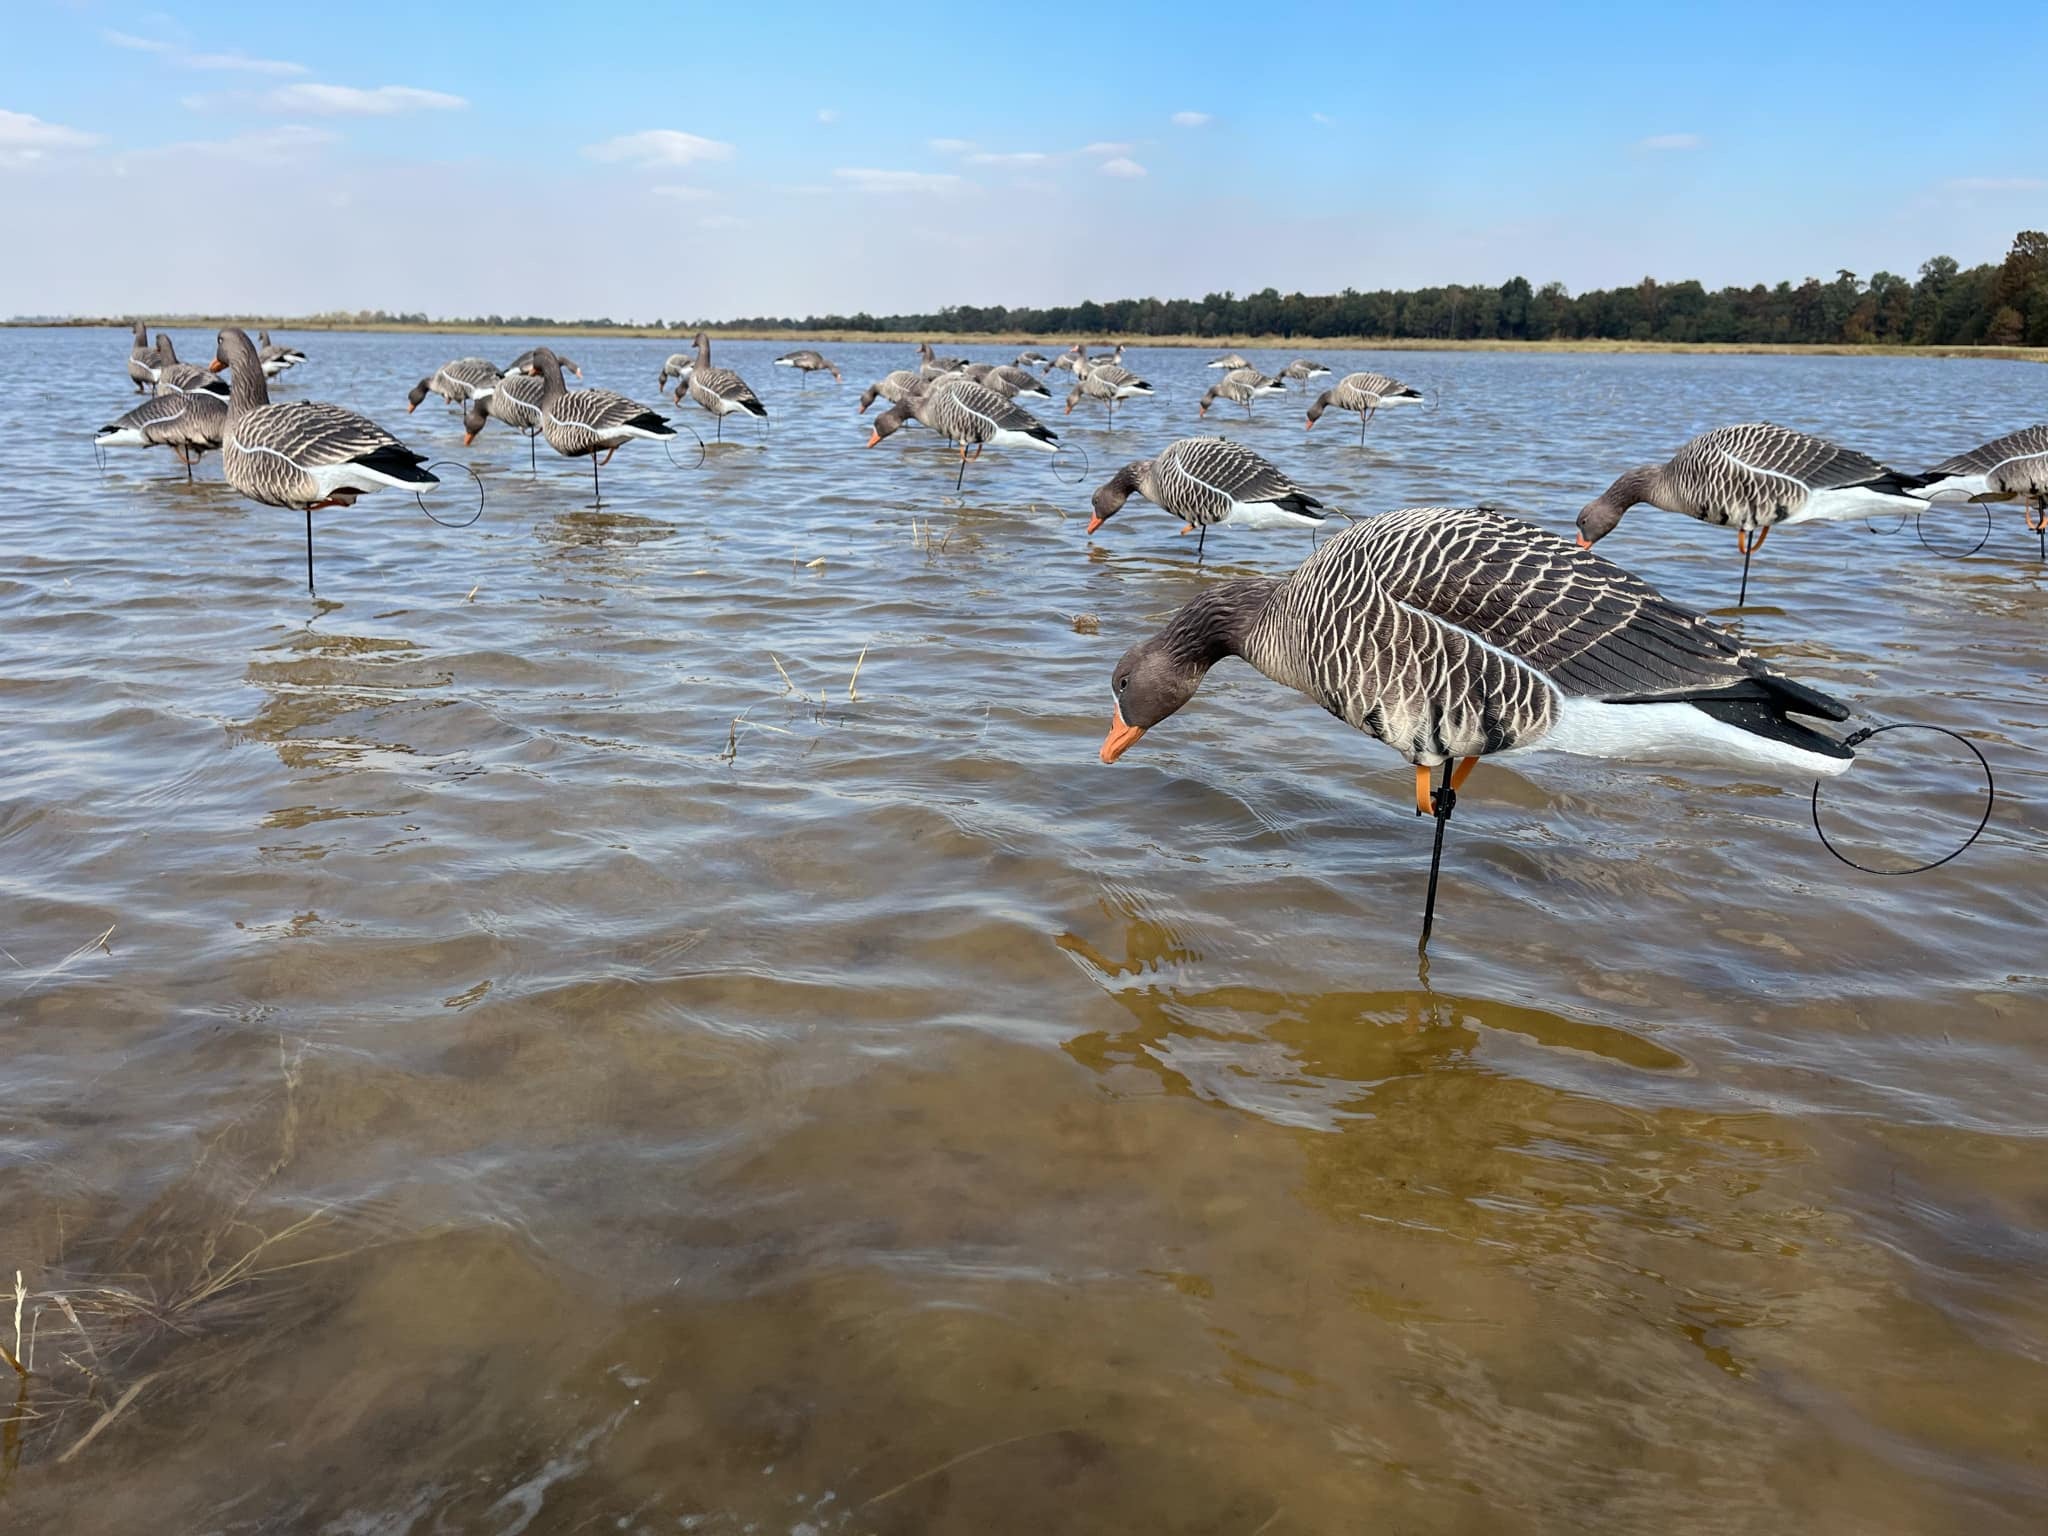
[[1997, 184], [721, 221], [659, 146], [1018, 157], [682, 194], [951, 146], [184, 57], [1190, 119], [354, 101], [828, 114], [1322, 119], [1128, 169], [1108, 147], [863, 179], [24, 138], [263, 146], [1671, 141]]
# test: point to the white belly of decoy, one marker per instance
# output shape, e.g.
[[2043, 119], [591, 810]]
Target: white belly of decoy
[[1671, 733], [1266, 514], [1847, 505]]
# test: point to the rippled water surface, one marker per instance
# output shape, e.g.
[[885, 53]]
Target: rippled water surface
[[526, 1042]]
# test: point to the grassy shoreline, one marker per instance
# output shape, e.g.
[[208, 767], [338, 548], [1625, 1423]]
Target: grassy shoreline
[[1308, 344]]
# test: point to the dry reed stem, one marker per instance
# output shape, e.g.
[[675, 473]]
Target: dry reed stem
[[106, 1418], [85, 948], [787, 685], [851, 696]]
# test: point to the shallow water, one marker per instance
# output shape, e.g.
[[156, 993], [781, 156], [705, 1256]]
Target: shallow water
[[546, 1072]]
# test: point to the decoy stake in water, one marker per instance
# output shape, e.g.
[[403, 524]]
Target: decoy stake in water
[[1209, 480], [307, 454], [1456, 633]]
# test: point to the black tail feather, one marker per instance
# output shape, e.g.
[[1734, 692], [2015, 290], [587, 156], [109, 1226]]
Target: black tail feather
[[1766, 718], [399, 462]]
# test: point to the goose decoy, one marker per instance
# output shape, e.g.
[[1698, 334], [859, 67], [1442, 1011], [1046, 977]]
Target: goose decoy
[[1069, 361], [2009, 468], [515, 400], [1029, 360], [582, 423], [930, 366], [276, 359], [1752, 478], [1008, 379], [186, 423], [1106, 382], [677, 367], [465, 378], [1114, 360], [719, 390], [892, 387], [305, 455], [1229, 361], [519, 363], [1302, 369], [176, 378], [1364, 393], [1456, 633], [969, 415], [807, 362], [143, 361], [1244, 385], [1209, 480]]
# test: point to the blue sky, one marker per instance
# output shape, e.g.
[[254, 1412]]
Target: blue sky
[[655, 160]]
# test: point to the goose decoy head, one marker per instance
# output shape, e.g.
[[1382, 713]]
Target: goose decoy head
[[868, 397], [1598, 517], [1073, 399], [889, 421], [473, 419], [1315, 410], [1149, 684], [232, 348], [1110, 496], [415, 395]]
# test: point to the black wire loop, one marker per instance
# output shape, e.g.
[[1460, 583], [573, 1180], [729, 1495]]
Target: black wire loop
[[1070, 456], [471, 520], [1920, 523], [1856, 739], [668, 448]]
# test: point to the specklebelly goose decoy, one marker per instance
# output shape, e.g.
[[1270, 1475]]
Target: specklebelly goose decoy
[[176, 378], [1752, 478], [1204, 481], [186, 423], [1228, 361], [305, 455], [1069, 361], [515, 400], [677, 367], [2009, 468], [583, 423], [1029, 360], [1008, 379], [1303, 369], [276, 359], [1364, 393], [143, 361], [719, 390], [464, 378], [892, 387], [1244, 385], [1456, 633], [519, 364], [807, 362], [931, 366], [969, 415], [1106, 382]]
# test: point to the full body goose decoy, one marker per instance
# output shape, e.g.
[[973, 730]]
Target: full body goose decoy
[[1364, 393], [1029, 360], [1751, 478], [515, 400], [807, 362], [1244, 385], [969, 415], [142, 360], [892, 387], [1229, 361], [1455, 633], [719, 390], [463, 379], [275, 358], [1209, 480], [583, 423], [1303, 369], [677, 367], [305, 455], [1008, 379], [2009, 468], [186, 423], [1070, 361], [1106, 382], [176, 378], [931, 366]]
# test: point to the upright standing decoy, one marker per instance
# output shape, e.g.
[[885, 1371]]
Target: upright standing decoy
[[807, 362], [305, 455], [582, 423], [931, 366], [1243, 385], [1209, 480], [969, 415], [1456, 633], [719, 390], [2009, 468], [1364, 393], [176, 378], [1752, 478], [142, 361]]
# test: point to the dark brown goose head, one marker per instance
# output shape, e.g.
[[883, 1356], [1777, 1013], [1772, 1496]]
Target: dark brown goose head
[[1315, 410], [1157, 676], [1111, 495], [1598, 517], [474, 416], [892, 420], [416, 394]]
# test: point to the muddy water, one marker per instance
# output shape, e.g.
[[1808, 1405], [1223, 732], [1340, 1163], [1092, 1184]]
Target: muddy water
[[544, 1071]]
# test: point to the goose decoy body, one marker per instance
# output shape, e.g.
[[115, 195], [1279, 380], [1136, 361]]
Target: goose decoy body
[[305, 455], [1243, 385], [176, 378], [969, 415], [1751, 478], [276, 359], [1303, 369], [1228, 361], [718, 390], [2009, 468], [464, 378], [520, 363], [142, 360], [1106, 382], [892, 387], [187, 423], [1029, 360], [1456, 633], [677, 367], [1008, 379], [1363, 393], [1205, 481], [583, 423], [807, 362], [514, 400], [931, 366]]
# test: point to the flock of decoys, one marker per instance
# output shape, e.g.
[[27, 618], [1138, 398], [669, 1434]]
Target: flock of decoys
[[1449, 633]]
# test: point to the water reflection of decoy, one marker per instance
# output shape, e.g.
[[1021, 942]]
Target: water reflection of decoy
[[718, 390], [1364, 393], [2009, 468], [308, 454], [1455, 633], [1243, 385], [807, 362], [582, 423], [1209, 480], [969, 415], [1751, 478]]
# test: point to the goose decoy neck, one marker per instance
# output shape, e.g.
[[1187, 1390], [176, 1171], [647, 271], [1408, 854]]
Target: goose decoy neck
[[542, 361], [141, 334], [1157, 676], [703, 350], [233, 350], [892, 420], [164, 348], [1320, 405], [1599, 516], [416, 394], [1111, 495], [473, 419]]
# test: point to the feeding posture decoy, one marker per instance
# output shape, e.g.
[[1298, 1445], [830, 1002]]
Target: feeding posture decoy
[[276, 359], [1456, 633], [1752, 478], [1364, 393], [1303, 369], [305, 455], [2009, 468], [1106, 382], [1205, 481], [465, 378], [807, 362], [969, 415], [582, 423], [892, 387], [1029, 360], [931, 366], [515, 400], [1008, 379], [677, 367], [719, 390], [1244, 385], [186, 423], [1228, 361]]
